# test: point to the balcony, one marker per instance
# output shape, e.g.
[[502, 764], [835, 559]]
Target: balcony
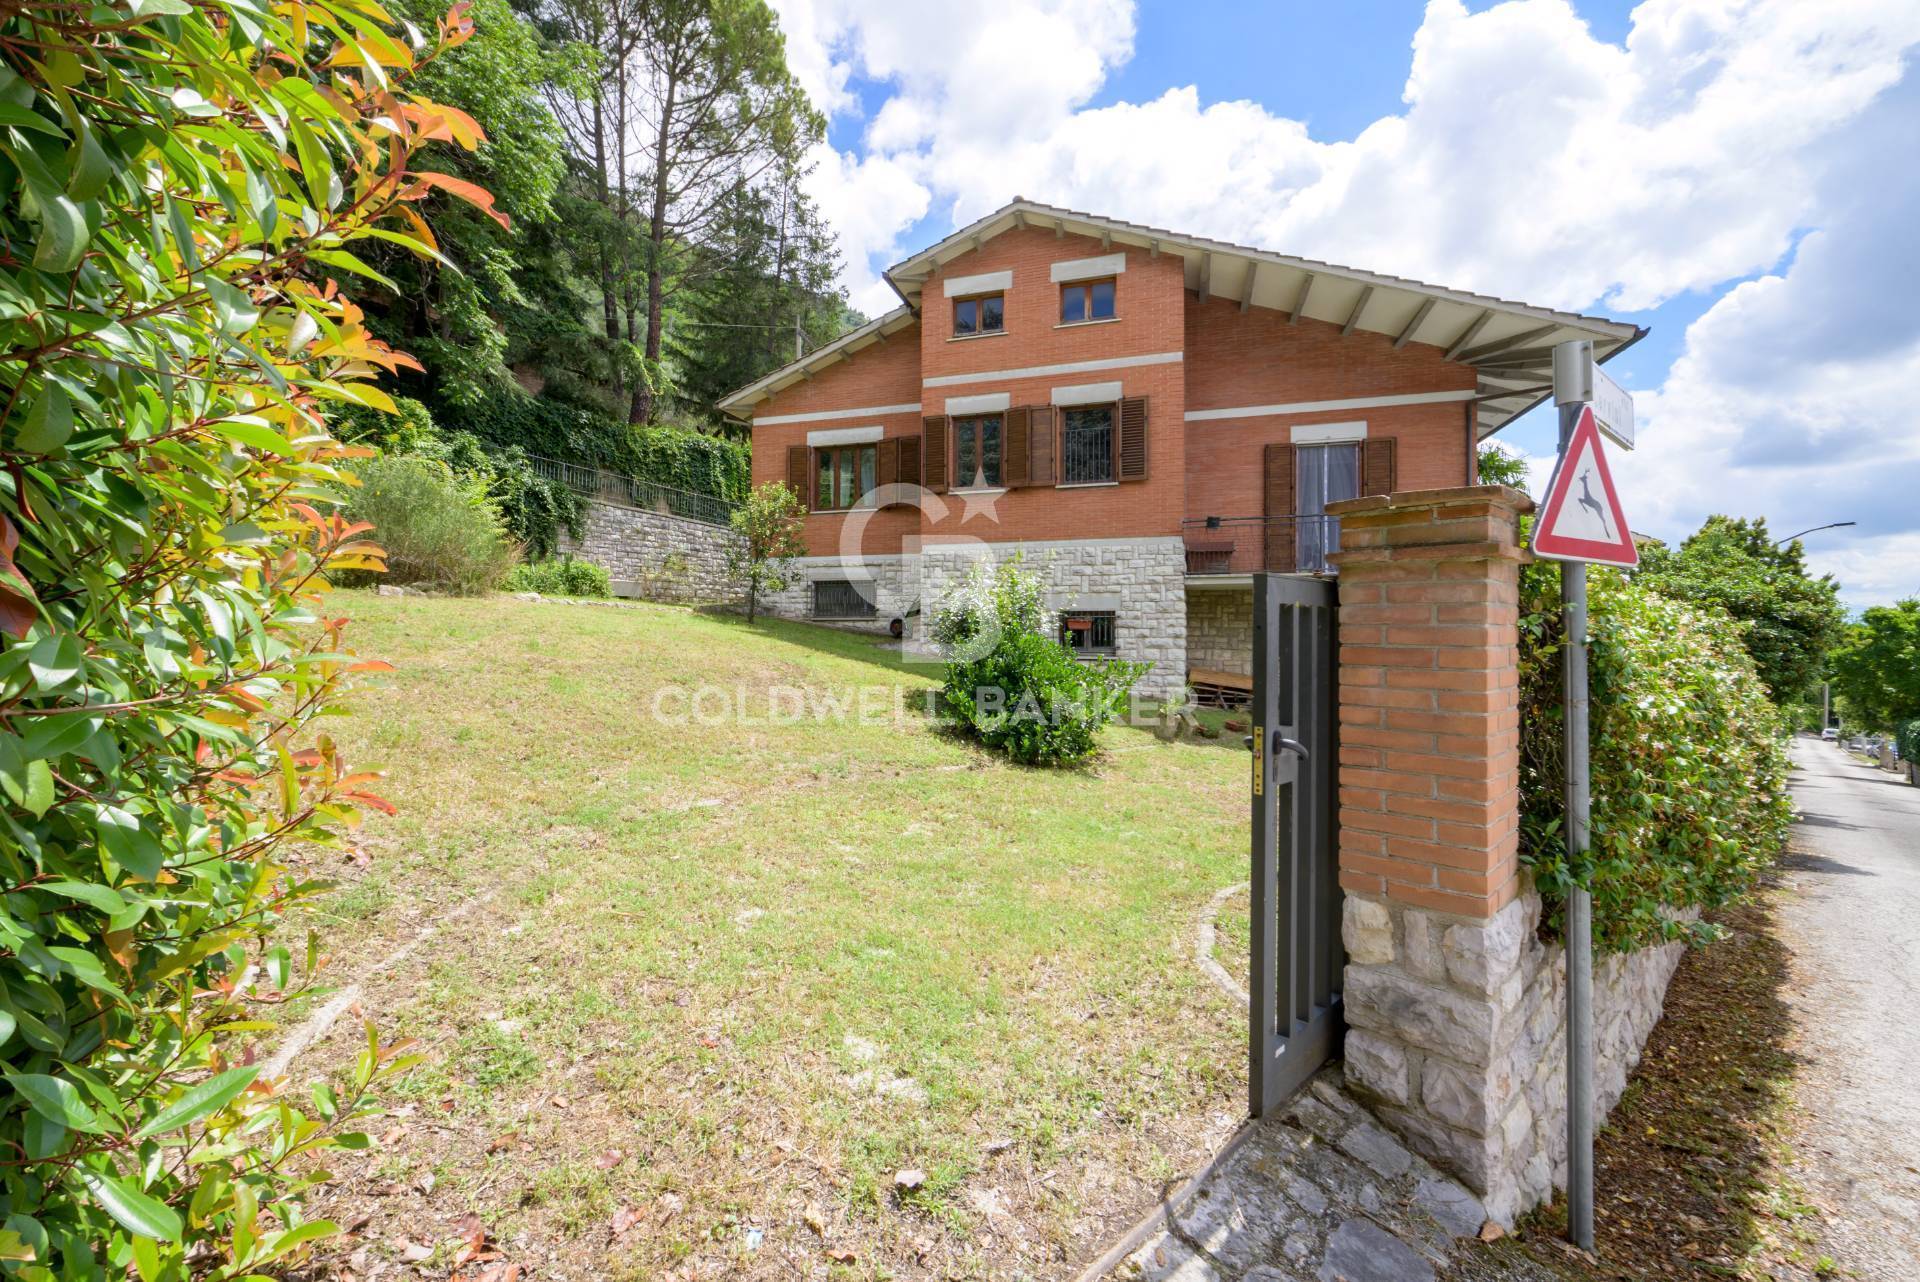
[[1229, 545]]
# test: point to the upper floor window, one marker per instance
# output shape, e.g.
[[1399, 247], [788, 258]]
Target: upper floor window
[[982, 314], [845, 476], [1087, 445], [1086, 300], [976, 451]]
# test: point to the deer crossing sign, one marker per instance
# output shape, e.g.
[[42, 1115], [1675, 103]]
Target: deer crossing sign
[[1581, 518]]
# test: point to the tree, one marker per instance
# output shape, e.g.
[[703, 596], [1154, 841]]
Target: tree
[[1876, 666], [186, 185], [769, 525], [724, 111], [1789, 619], [1501, 466]]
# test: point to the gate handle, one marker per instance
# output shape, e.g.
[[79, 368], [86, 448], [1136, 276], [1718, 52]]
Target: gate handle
[[1280, 744]]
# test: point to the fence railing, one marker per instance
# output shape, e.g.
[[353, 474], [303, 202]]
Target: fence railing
[[1247, 544], [632, 491]]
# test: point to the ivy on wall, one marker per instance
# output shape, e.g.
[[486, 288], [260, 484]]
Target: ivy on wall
[[684, 459]]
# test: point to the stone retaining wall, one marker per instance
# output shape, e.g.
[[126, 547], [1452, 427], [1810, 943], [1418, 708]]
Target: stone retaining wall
[[1457, 1034], [655, 555], [1220, 630]]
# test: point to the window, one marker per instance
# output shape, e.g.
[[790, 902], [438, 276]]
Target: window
[[1087, 444], [1324, 474], [846, 475], [1086, 300], [840, 599], [1087, 631], [985, 314], [976, 452]]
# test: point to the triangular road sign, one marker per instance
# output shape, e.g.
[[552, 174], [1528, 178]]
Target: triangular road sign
[[1581, 519]]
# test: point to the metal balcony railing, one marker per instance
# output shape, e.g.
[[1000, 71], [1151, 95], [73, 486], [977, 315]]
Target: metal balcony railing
[[631, 491], [1245, 544]]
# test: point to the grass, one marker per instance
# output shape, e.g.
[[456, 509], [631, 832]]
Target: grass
[[739, 976]]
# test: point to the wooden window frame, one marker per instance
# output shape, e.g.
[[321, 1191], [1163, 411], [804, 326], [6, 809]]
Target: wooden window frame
[[848, 456], [958, 423], [1086, 287], [978, 299]]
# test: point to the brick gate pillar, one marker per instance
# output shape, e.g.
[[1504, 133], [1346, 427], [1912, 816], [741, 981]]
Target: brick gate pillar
[[1437, 922]]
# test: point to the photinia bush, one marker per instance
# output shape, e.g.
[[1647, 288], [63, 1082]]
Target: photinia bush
[[1689, 760], [184, 185]]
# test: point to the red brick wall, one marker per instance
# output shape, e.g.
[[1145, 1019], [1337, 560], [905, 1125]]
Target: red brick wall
[[885, 375], [1231, 359], [1239, 359], [1429, 698], [1149, 308]]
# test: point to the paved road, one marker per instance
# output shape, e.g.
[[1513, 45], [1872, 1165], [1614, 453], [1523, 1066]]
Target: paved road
[[1854, 929]]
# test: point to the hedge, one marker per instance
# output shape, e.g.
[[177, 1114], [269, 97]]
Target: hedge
[[1907, 739], [674, 456], [1689, 760]]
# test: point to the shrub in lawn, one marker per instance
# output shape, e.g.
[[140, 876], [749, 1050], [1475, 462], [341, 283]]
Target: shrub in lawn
[[1010, 683], [181, 198], [440, 530], [769, 526], [1689, 759], [562, 577]]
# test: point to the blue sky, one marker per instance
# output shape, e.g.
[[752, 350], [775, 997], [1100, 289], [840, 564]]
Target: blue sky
[[1697, 166]]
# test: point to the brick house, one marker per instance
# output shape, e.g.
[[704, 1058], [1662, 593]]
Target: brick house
[[1149, 416]]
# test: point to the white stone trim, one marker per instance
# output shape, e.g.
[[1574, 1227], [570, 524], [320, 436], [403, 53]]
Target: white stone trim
[[984, 283], [821, 416], [985, 546], [1315, 407], [1070, 367], [1328, 433], [1086, 601], [1087, 394], [846, 435], [1087, 268], [985, 403]]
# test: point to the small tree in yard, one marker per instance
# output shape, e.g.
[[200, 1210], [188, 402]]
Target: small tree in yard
[[769, 525]]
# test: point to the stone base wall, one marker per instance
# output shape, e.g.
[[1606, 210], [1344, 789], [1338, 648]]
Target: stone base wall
[[1457, 1034], [1143, 581], [654, 555], [890, 582], [1220, 630]]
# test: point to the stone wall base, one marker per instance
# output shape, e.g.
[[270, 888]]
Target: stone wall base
[[656, 556], [1220, 630], [1457, 1035]]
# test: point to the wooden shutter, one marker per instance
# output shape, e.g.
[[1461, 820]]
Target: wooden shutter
[[934, 452], [1042, 424], [1377, 465], [1278, 478], [886, 463], [909, 460], [1015, 462], [1131, 452], [800, 473]]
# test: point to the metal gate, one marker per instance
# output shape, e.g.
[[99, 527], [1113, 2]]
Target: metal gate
[[1295, 1019]]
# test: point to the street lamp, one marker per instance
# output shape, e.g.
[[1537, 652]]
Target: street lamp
[[1831, 525]]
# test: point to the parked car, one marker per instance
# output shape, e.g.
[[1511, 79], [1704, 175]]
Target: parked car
[[1830, 734]]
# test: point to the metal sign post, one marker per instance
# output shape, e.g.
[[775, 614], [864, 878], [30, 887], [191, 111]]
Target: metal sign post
[[1576, 529]]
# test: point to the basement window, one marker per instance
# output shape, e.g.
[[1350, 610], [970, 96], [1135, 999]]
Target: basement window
[[1088, 632], [840, 599]]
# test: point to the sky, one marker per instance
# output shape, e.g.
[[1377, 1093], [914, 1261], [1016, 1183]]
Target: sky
[[1741, 175]]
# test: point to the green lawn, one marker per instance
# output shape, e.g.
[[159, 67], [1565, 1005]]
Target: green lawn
[[733, 978]]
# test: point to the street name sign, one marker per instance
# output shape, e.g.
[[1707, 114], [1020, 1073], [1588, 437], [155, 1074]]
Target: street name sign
[[1613, 408], [1581, 519], [1579, 380]]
